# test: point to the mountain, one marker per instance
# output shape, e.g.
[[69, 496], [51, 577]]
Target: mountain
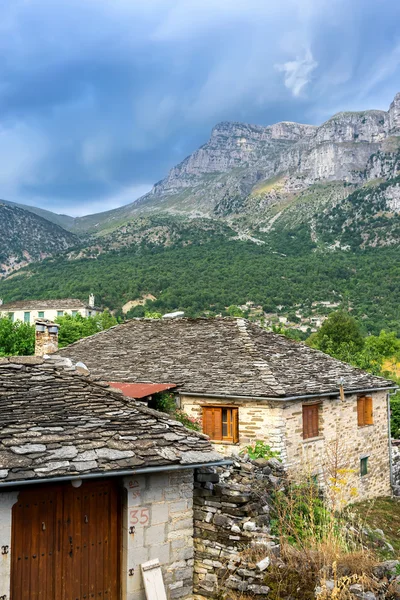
[[26, 237], [280, 215]]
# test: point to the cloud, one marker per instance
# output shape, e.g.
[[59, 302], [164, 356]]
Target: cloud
[[100, 98], [298, 72]]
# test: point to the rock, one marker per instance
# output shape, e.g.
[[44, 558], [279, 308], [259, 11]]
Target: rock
[[249, 526], [258, 590], [264, 564], [261, 462], [357, 591], [385, 569], [236, 529], [234, 583], [223, 521]]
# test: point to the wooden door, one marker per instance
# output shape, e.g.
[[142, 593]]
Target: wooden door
[[65, 543]]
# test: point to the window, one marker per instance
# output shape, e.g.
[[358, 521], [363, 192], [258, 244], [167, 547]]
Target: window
[[41, 314], [364, 411], [11, 316], [221, 423], [90, 313], [310, 420], [27, 317], [364, 466], [74, 313], [60, 313]]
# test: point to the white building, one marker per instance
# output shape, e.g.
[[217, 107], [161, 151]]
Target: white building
[[29, 310]]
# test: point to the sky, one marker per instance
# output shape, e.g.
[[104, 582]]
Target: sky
[[100, 98]]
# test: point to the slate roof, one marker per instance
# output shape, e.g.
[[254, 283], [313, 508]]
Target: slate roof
[[223, 356], [57, 422], [62, 304]]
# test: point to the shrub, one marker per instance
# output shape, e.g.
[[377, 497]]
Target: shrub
[[260, 450]]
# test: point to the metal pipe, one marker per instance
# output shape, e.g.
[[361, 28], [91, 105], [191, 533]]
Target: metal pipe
[[285, 398], [143, 471]]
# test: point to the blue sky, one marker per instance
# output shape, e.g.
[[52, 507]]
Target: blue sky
[[99, 98]]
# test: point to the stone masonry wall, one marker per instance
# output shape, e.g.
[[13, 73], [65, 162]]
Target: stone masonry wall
[[232, 514], [158, 523], [281, 426], [338, 422], [396, 466], [257, 421]]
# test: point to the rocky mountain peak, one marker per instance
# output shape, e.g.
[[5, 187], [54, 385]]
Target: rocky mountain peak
[[394, 115]]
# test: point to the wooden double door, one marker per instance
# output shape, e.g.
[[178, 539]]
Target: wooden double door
[[66, 542]]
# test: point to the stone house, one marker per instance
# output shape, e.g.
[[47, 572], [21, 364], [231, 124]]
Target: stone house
[[244, 384], [28, 311], [92, 485]]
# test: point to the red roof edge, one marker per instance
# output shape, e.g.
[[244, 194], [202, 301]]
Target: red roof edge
[[141, 390]]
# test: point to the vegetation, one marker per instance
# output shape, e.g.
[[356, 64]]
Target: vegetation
[[165, 402], [18, 339], [260, 450], [207, 278]]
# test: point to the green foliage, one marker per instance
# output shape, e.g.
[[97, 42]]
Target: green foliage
[[260, 450], [75, 328], [339, 331], [16, 338], [234, 311], [165, 402], [152, 315], [395, 416], [301, 514]]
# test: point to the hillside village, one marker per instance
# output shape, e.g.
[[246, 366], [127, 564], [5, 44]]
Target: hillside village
[[199, 300]]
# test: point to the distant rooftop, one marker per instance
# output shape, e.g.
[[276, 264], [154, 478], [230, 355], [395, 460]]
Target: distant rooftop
[[62, 304]]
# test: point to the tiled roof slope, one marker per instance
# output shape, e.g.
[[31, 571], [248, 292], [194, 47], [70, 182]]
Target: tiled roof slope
[[222, 356], [64, 303], [56, 422]]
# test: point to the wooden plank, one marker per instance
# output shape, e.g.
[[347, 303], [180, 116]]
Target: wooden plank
[[153, 581]]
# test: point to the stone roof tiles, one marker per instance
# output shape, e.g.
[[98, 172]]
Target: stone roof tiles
[[222, 356], [62, 304], [57, 422]]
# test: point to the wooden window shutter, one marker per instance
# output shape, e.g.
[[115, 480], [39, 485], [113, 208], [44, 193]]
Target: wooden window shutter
[[235, 419], [217, 417], [360, 411], [212, 422], [368, 416], [310, 420]]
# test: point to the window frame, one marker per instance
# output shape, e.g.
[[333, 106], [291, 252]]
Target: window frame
[[314, 431], [74, 313], [365, 411], [213, 423], [364, 466], [40, 314], [27, 316], [60, 313]]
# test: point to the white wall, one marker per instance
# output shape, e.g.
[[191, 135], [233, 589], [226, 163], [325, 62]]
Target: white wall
[[49, 314]]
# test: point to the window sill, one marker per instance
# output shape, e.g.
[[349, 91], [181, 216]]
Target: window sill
[[224, 442], [314, 439], [364, 426]]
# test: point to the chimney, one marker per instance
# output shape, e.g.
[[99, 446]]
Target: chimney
[[91, 300], [46, 337]]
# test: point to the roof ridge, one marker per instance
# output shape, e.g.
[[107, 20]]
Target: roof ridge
[[260, 363]]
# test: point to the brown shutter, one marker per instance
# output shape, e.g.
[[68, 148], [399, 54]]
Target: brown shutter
[[368, 416], [235, 419], [360, 411], [212, 422], [208, 421], [217, 414], [310, 421]]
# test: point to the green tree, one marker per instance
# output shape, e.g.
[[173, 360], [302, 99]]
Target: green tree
[[75, 328], [16, 338], [340, 336]]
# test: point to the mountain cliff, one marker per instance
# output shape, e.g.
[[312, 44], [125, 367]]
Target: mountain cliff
[[26, 237]]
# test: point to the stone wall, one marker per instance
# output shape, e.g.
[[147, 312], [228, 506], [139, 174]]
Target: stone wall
[[281, 426], [342, 438], [396, 466], [158, 523], [232, 515], [258, 420]]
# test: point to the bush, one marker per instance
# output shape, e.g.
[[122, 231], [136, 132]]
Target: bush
[[165, 402], [260, 450]]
